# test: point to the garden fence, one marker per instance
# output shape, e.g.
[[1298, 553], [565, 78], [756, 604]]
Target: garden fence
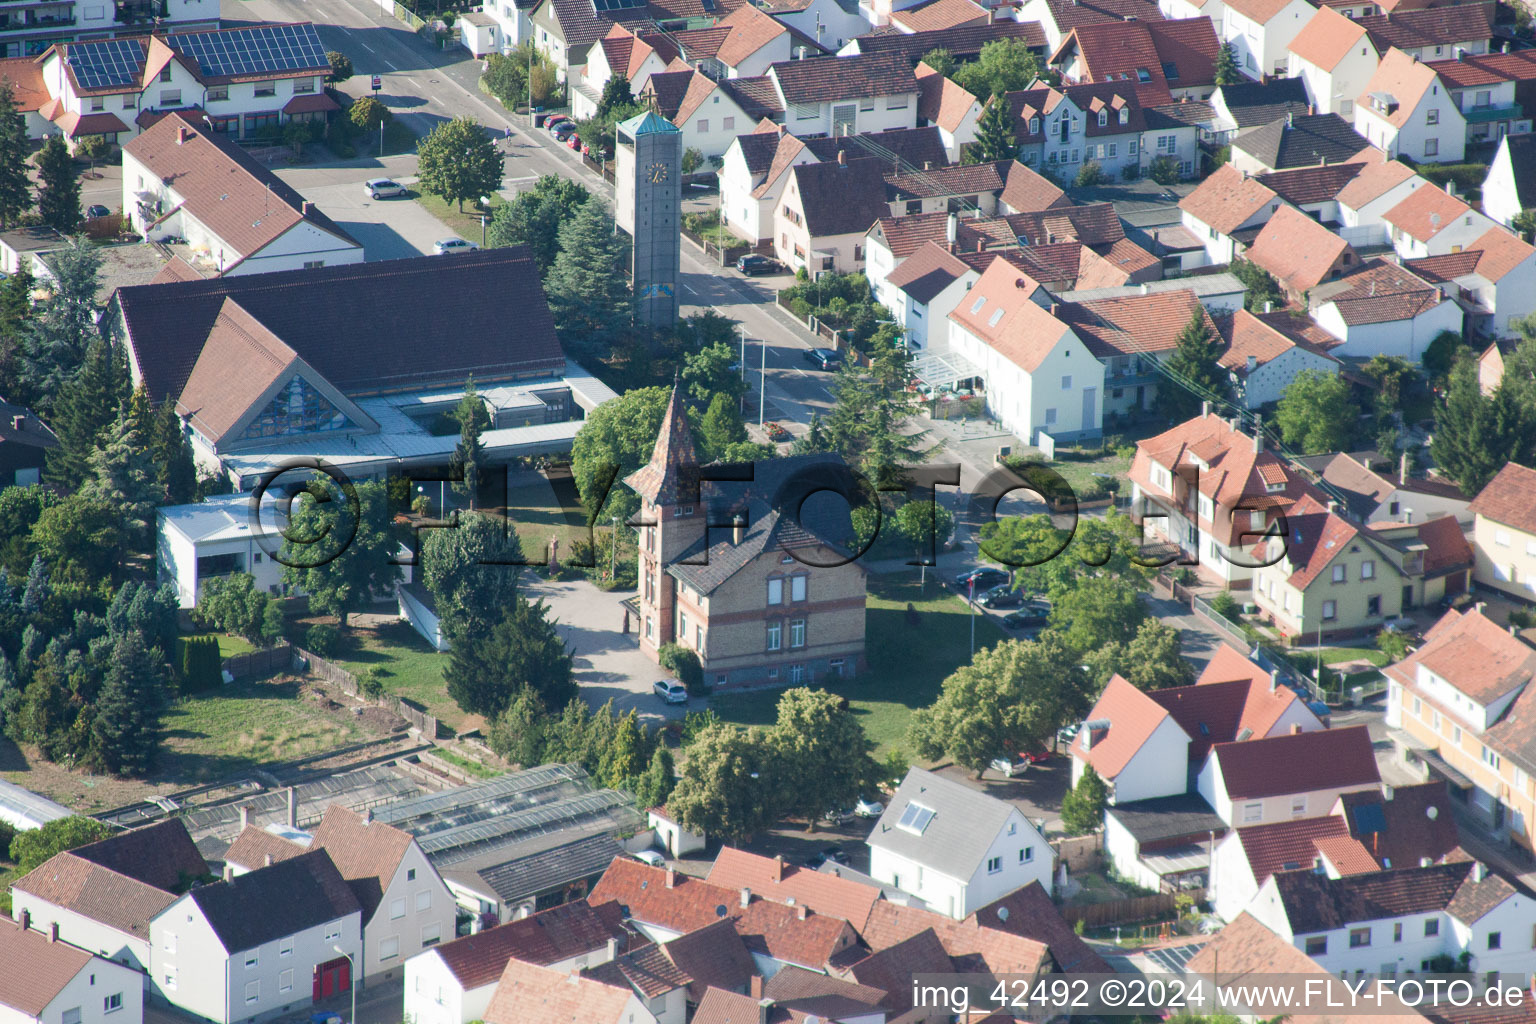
[[1128, 911], [258, 663], [409, 710]]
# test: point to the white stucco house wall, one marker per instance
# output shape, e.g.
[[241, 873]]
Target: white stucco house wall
[[1261, 31], [955, 848], [1510, 186], [217, 537], [45, 981], [1406, 110], [1134, 744], [1335, 57]]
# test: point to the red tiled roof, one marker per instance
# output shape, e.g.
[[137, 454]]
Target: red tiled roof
[[1474, 655], [1441, 26], [1133, 324], [1133, 717], [1502, 251], [1219, 712], [1317, 537], [968, 941], [1115, 50], [647, 970], [775, 880], [1092, 224], [940, 100], [1227, 199], [1297, 250], [940, 14], [530, 994], [1382, 292], [1425, 213], [1326, 38], [1509, 498], [1373, 182], [317, 103], [547, 937], [26, 77], [1303, 186], [1408, 826], [1347, 854], [1030, 913], [999, 310], [1246, 335], [1297, 763], [1287, 845], [36, 970]]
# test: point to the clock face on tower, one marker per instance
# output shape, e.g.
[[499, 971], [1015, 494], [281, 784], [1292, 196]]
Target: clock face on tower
[[656, 173]]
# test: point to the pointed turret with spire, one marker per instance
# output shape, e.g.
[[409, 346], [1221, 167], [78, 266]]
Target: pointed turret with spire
[[671, 477]]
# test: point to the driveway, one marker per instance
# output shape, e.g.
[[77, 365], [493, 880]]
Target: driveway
[[608, 663], [1037, 793], [389, 229]]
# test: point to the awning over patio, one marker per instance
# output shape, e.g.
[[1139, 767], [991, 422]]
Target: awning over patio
[[313, 104], [943, 369], [1181, 860]]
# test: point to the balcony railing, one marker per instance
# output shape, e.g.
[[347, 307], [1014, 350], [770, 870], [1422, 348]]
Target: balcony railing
[[34, 24]]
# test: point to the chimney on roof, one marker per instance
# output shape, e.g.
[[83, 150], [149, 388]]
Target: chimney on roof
[[613, 947], [1269, 306], [1333, 507], [671, 878], [981, 245], [1253, 364], [1311, 110], [1479, 873], [799, 53], [368, 816], [266, 860], [245, 816], [1295, 728], [778, 869], [1480, 607], [1407, 515], [293, 808], [1258, 436], [1386, 792], [182, 134], [1055, 308], [1402, 468], [765, 1006], [306, 208], [53, 930], [18, 423], [1205, 409], [1146, 289], [842, 158], [992, 16], [951, 226], [26, 919], [746, 896], [927, 165], [1274, 680], [755, 986], [801, 910], [1450, 188], [738, 528], [1290, 121]]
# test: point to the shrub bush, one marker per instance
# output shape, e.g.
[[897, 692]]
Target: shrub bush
[[1164, 170], [1090, 174], [199, 664], [683, 664], [322, 639]]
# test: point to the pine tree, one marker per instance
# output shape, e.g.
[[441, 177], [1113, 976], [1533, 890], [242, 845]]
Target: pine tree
[[589, 292], [616, 93], [15, 186], [721, 426], [469, 454], [1227, 72], [125, 734], [58, 188], [995, 137], [60, 338], [35, 594], [175, 469], [1193, 373], [123, 474], [83, 412], [653, 787], [1082, 809]]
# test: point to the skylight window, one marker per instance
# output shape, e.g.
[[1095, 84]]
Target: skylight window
[[997, 314], [915, 818], [981, 300]]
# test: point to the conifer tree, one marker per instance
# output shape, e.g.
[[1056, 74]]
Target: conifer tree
[[58, 186], [125, 733], [123, 474], [1194, 374], [468, 456], [589, 292], [15, 186], [61, 335], [175, 469], [1227, 72], [995, 137], [84, 409]]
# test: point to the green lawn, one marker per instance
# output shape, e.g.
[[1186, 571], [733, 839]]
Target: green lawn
[[409, 667], [229, 646], [1306, 660], [537, 514], [465, 224], [237, 728], [907, 663], [468, 764]]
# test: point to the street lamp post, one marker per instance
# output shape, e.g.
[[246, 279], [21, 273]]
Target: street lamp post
[[762, 386], [351, 980], [613, 551]]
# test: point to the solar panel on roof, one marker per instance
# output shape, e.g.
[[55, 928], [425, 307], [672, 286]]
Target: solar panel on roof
[[915, 818], [255, 50], [106, 63]]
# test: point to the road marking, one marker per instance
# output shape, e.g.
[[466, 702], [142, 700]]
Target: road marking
[[367, 47]]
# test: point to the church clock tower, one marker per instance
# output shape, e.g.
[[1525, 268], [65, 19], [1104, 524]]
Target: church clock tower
[[649, 205]]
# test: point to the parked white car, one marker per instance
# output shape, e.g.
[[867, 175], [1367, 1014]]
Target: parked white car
[[869, 808], [381, 188], [670, 691], [451, 245]]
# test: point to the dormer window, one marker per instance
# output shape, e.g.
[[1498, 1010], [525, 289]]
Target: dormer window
[[1103, 118], [1034, 126], [1125, 115]]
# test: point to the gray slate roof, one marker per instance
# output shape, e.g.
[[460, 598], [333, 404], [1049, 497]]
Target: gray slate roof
[[956, 840], [1254, 103], [271, 902], [1167, 817], [528, 876]]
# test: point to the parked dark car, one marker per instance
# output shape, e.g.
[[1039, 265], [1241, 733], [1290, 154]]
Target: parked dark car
[[753, 264], [984, 579], [1001, 597], [96, 212], [1033, 615], [833, 853], [824, 359], [564, 130]]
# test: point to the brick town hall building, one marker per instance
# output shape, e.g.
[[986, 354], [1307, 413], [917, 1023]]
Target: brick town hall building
[[764, 597]]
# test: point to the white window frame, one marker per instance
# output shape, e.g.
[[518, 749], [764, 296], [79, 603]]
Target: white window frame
[[776, 591]]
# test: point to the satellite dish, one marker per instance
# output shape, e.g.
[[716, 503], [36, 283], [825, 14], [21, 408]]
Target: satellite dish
[[1431, 813], [1002, 913]]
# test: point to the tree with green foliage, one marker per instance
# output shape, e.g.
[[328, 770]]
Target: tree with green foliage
[[30, 848], [61, 336], [351, 548], [823, 752], [870, 423], [175, 469], [1524, 225], [684, 664], [534, 218], [1013, 696], [654, 786], [518, 733], [1082, 809], [15, 147], [1004, 66], [1098, 611], [624, 759], [1439, 359], [1393, 643], [122, 472], [1164, 170], [720, 428], [471, 571], [58, 186], [125, 733], [1045, 557], [731, 785], [924, 526], [198, 664], [708, 372], [369, 114], [1264, 292], [942, 61], [1193, 373], [995, 135], [1152, 660], [616, 93], [615, 440], [486, 671], [458, 161], [1227, 71], [85, 410], [341, 67], [1476, 434], [1316, 413], [234, 604], [589, 292], [1395, 378], [468, 459], [81, 541]]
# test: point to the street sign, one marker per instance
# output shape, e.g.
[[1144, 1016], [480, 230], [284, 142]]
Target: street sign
[[378, 83]]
